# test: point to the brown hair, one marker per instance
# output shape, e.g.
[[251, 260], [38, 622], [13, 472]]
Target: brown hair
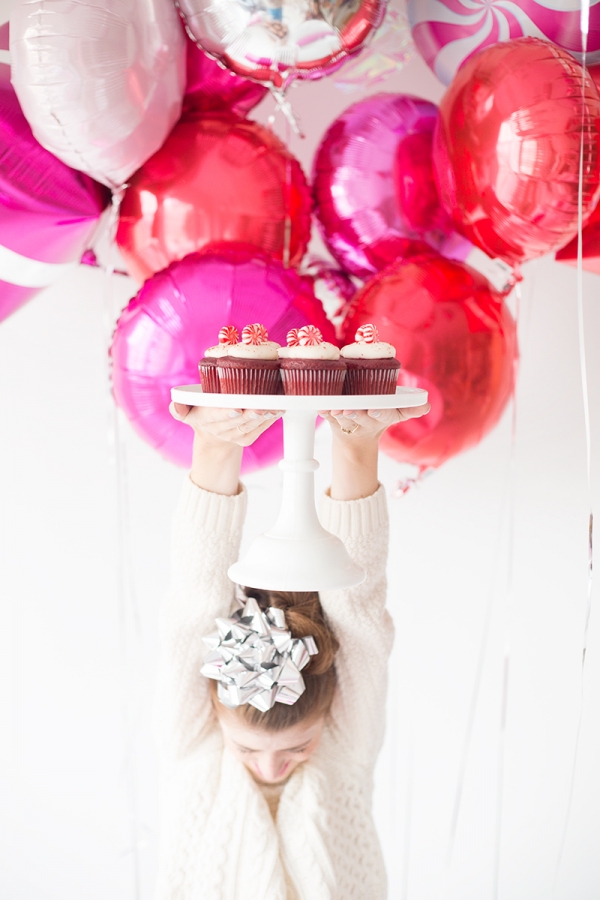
[[303, 616]]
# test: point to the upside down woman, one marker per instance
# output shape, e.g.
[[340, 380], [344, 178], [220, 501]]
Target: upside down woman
[[270, 799]]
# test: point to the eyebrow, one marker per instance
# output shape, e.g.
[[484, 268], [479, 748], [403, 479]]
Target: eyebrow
[[287, 749]]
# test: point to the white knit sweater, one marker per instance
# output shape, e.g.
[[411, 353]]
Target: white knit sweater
[[218, 839]]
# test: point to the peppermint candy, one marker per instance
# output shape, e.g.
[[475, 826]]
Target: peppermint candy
[[228, 335], [254, 334], [309, 336], [367, 334], [292, 338]]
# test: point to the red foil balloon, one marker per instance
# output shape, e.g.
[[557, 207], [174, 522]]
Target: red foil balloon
[[210, 86], [217, 178], [506, 149], [165, 330], [454, 337]]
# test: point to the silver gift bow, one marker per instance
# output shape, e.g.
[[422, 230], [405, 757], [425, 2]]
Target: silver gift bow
[[255, 659]]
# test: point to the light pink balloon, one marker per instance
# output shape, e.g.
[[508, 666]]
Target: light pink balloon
[[100, 81]]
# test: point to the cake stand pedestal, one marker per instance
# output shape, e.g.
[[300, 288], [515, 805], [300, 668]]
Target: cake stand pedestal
[[297, 553]]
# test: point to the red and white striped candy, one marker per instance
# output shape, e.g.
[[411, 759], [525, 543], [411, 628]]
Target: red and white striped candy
[[229, 335], [367, 334], [254, 334], [292, 339], [309, 336]]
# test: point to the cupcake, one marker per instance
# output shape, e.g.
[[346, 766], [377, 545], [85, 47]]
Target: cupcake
[[252, 366], [207, 367], [371, 364], [310, 365]]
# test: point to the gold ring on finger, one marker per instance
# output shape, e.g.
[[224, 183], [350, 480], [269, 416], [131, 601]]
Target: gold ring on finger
[[350, 430]]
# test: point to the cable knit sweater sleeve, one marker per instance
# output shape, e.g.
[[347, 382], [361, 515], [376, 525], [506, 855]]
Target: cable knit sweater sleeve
[[362, 625], [207, 530]]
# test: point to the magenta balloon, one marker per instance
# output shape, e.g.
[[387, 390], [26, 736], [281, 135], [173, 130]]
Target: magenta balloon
[[373, 183], [211, 87], [48, 211], [164, 331]]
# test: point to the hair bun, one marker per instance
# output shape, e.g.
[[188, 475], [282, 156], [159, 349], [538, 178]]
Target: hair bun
[[304, 616]]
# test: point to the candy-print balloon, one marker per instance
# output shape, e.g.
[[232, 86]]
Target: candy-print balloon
[[99, 82], [164, 331], [373, 183], [448, 32], [210, 86], [454, 337], [332, 286], [216, 178], [506, 149], [275, 41], [48, 212]]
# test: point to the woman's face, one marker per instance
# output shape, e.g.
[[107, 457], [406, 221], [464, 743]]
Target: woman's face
[[271, 756]]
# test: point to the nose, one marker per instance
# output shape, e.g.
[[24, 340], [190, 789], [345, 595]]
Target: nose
[[271, 766]]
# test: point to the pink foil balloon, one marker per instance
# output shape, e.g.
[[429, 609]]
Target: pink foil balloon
[[210, 86], [448, 32], [374, 189], [506, 149], [100, 83], [48, 211], [164, 331]]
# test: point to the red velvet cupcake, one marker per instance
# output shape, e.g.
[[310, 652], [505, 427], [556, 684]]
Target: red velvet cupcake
[[207, 367], [310, 365], [371, 364], [251, 367]]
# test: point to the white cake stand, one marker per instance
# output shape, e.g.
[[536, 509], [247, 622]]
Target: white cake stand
[[297, 553]]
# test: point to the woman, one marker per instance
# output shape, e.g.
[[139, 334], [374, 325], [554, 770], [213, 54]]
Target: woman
[[275, 805]]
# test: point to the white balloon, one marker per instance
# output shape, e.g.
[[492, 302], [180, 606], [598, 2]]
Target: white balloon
[[100, 81]]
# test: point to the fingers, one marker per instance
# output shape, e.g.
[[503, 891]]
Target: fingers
[[413, 412]]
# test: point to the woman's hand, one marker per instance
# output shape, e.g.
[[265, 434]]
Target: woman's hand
[[355, 448], [233, 426], [368, 425], [219, 438]]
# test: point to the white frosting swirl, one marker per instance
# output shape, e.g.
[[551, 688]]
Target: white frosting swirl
[[323, 350], [362, 350], [217, 351], [268, 350]]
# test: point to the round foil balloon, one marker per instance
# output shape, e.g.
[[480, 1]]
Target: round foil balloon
[[278, 40], [373, 183], [100, 83], [210, 86], [448, 32], [164, 331], [217, 178], [455, 338], [48, 211], [506, 148]]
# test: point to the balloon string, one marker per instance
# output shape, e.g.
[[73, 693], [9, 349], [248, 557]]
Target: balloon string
[[507, 508], [125, 594], [585, 11], [287, 227]]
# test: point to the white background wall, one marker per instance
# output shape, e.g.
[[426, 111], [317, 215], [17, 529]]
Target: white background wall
[[81, 577]]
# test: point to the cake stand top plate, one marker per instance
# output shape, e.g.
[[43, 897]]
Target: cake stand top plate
[[192, 395]]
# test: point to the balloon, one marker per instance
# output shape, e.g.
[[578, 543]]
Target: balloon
[[210, 86], [332, 286], [373, 183], [454, 337], [216, 178], [278, 40], [590, 247], [506, 149], [99, 82], [448, 32], [164, 331], [48, 211]]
